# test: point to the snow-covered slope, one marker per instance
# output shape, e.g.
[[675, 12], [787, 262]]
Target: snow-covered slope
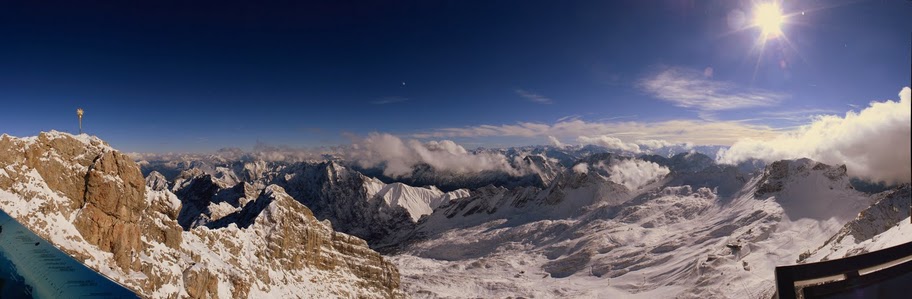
[[884, 224], [417, 201], [92, 202], [352, 202], [583, 222], [662, 240]]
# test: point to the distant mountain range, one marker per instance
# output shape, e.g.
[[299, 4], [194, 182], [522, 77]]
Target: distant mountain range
[[575, 221]]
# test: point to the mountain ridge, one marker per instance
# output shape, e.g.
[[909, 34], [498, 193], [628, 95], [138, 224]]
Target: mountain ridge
[[92, 202]]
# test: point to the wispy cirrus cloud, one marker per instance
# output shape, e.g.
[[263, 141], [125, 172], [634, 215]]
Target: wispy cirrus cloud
[[690, 88], [569, 117], [797, 114], [534, 97], [389, 100], [699, 132]]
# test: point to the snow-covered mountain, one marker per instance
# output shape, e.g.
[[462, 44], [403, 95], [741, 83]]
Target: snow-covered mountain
[[682, 163], [574, 222], [884, 224], [589, 223], [537, 171], [417, 201], [680, 236], [91, 201], [352, 202]]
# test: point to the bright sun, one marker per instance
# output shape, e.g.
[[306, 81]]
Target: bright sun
[[768, 17]]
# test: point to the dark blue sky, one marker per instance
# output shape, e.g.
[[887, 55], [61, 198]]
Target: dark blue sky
[[194, 76]]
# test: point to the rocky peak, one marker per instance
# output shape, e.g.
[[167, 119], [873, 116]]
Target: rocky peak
[[570, 178], [159, 198], [336, 172], [103, 188], [779, 173], [689, 162], [156, 181], [542, 166], [94, 204], [225, 176], [255, 170]]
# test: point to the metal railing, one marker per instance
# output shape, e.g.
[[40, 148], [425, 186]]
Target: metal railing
[[12, 221], [884, 273]]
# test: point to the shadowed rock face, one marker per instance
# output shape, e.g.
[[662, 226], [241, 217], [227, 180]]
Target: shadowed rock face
[[776, 174], [274, 248], [296, 240], [889, 209]]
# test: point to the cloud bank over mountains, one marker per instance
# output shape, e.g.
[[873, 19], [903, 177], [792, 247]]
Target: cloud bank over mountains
[[632, 173], [873, 143], [635, 173], [399, 157], [637, 147], [553, 141], [610, 143]]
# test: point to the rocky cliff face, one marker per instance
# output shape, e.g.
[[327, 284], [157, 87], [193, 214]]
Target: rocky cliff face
[[104, 187], [346, 198], [92, 202], [777, 174]]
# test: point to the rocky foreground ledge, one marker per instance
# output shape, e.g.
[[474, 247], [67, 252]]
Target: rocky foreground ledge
[[92, 202]]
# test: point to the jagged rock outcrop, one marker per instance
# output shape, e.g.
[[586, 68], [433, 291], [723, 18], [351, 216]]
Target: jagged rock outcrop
[[293, 238], [160, 220], [104, 188], [888, 210], [93, 203], [425, 175], [808, 189], [344, 197], [352, 202], [114, 202], [155, 181], [777, 173], [682, 163]]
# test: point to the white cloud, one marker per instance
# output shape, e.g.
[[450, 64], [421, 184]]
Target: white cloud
[[400, 157], [568, 117], [553, 141], [534, 97], [693, 89], [654, 143], [873, 143], [698, 132], [609, 142], [634, 173], [581, 168]]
